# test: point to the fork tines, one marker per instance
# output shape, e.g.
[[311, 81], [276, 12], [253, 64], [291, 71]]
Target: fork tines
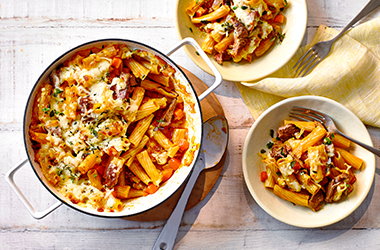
[[306, 114], [306, 63]]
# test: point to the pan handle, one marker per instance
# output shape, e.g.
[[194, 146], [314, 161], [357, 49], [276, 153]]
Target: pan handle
[[36, 214], [218, 76]]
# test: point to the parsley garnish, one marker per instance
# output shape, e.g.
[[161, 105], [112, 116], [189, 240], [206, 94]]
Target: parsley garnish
[[191, 30], [244, 7], [269, 145], [292, 164], [45, 110], [262, 151], [326, 141], [52, 113], [59, 172], [196, 52], [94, 132], [234, 8], [57, 92], [204, 21]]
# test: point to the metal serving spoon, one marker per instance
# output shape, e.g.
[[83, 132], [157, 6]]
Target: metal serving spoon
[[214, 143]]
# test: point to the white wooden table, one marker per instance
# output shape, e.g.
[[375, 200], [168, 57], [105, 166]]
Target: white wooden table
[[33, 33]]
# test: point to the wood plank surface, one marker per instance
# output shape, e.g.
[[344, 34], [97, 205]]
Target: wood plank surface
[[33, 33]]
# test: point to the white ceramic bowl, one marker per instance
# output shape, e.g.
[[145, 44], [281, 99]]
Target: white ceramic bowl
[[294, 29], [283, 210]]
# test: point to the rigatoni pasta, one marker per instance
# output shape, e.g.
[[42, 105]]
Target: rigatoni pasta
[[238, 30], [104, 125], [303, 165]]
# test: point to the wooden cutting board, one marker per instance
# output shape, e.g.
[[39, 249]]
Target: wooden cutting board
[[207, 179]]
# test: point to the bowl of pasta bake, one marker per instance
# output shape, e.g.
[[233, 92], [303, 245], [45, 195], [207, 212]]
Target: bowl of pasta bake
[[113, 128], [302, 174], [246, 39]]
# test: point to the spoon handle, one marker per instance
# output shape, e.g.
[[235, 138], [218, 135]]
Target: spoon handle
[[167, 237]]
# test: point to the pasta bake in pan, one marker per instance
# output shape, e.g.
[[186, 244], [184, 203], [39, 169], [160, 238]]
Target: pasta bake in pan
[[308, 166], [112, 124], [238, 29]]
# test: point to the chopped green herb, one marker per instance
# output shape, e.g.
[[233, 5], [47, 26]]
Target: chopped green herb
[[59, 172], [161, 120], [327, 141], [191, 30], [278, 173], [271, 132], [95, 175], [244, 7], [234, 8], [227, 26], [196, 52], [52, 113], [332, 136], [292, 164], [94, 132], [45, 110], [278, 138], [57, 92], [262, 151], [264, 13], [315, 172], [269, 145]]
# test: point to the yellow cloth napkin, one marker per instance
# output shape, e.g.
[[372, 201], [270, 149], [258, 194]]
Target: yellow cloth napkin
[[350, 74]]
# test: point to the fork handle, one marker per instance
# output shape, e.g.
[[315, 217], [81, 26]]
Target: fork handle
[[369, 148], [371, 5]]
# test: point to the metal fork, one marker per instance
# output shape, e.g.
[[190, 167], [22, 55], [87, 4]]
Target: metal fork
[[320, 50], [307, 114]]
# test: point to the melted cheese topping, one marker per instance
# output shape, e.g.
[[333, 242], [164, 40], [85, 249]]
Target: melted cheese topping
[[81, 119]]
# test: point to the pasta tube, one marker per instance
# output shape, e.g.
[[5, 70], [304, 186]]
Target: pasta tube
[[219, 13], [89, 162], [311, 139], [340, 141], [208, 44], [350, 159], [140, 130], [122, 192], [161, 79], [296, 198], [145, 161], [137, 68], [139, 172], [224, 43]]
